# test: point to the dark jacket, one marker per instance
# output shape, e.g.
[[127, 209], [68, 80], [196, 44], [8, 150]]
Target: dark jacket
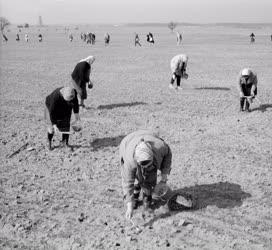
[[81, 77], [59, 109], [248, 86]]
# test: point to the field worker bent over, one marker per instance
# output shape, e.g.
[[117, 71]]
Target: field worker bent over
[[247, 86], [80, 78], [142, 154], [178, 67], [137, 40], [59, 106], [107, 38]]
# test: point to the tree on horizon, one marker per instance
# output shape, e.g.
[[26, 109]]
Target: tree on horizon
[[172, 25], [3, 23]]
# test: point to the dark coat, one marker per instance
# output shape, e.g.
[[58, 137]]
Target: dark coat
[[60, 110], [81, 76]]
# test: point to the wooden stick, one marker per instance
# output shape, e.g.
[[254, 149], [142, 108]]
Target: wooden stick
[[18, 150], [255, 97], [65, 132]]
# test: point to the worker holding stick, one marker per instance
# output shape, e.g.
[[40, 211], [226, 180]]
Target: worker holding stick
[[58, 111]]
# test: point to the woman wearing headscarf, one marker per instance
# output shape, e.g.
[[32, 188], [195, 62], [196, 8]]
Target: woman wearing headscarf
[[247, 86], [80, 78], [178, 66], [142, 154], [58, 111]]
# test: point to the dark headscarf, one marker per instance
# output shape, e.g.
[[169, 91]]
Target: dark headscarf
[[80, 73]]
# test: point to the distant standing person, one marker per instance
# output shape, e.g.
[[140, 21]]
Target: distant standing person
[[178, 66], [150, 38], [137, 40], [71, 37], [179, 38], [58, 111], [247, 86], [17, 37], [40, 37], [26, 38], [271, 38], [142, 154], [107, 39], [252, 38], [80, 78]]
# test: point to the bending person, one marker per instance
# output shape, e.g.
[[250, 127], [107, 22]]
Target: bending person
[[247, 86], [80, 78], [142, 154], [59, 106], [178, 67]]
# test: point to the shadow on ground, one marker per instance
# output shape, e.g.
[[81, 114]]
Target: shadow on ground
[[262, 107], [221, 195], [71, 146], [213, 88], [105, 142], [118, 105]]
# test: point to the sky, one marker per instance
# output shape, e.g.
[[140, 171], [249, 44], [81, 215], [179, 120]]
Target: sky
[[132, 11]]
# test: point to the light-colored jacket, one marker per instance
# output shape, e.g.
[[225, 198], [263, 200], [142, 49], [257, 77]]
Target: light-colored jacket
[[251, 81], [176, 63], [162, 158]]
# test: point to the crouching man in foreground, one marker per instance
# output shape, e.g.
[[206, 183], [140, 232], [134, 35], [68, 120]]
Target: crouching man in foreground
[[58, 111], [142, 154], [247, 86]]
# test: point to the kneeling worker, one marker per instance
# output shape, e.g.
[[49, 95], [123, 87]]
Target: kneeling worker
[[247, 86], [142, 154], [59, 106]]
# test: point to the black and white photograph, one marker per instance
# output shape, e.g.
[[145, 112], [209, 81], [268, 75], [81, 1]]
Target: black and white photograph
[[136, 124]]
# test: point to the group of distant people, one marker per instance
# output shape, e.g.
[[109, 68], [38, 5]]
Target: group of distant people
[[149, 39], [5, 39], [89, 38]]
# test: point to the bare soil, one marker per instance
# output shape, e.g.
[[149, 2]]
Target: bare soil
[[67, 199]]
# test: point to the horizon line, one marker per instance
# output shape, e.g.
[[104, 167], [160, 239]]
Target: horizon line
[[147, 23]]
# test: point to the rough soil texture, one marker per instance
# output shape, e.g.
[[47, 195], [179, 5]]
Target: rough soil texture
[[73, 199]]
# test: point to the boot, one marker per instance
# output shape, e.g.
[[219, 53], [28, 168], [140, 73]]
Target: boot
[[136, 200], [65, 140], [147, 201], [242, 104], [49, 139], [247, 106], [136, 194]]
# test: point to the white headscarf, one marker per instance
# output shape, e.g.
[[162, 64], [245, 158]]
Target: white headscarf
[[246, 72], [143, 152], [68, 93], [89, 59]]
